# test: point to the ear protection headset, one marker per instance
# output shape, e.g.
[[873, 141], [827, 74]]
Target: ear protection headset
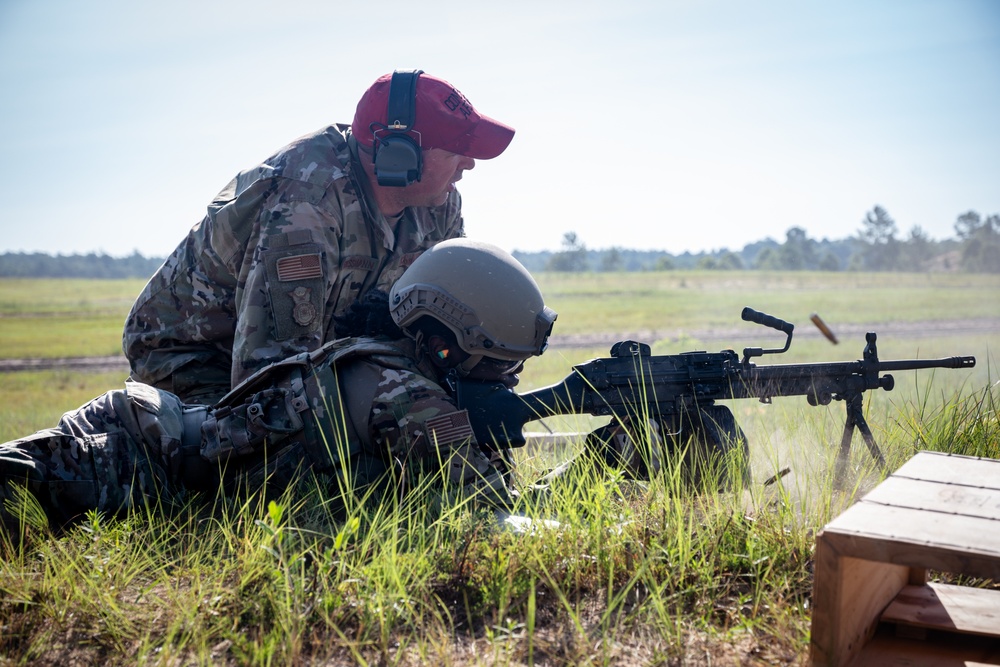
[[398, 158]]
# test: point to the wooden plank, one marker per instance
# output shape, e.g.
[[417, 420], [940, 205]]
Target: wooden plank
[[951, 543], [886, 650], [974, 611], [937, 497], [825, 623], [849, 594], [952, 468]]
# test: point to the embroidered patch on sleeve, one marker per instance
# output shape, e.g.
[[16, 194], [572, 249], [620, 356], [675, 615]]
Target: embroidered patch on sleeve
[[299, 267], [449, 429], [358, 263]]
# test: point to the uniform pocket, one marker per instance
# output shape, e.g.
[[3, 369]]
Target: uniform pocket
[[160, 423]]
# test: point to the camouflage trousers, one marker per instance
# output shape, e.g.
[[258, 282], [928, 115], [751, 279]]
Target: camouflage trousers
[[142, 446], [120, 449]]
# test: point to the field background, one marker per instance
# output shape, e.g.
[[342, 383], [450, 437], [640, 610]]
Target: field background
[[636, 575], [916, 316]]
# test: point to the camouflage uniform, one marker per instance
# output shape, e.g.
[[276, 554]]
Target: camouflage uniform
[[354, 410], [111, 452], [284, 248]]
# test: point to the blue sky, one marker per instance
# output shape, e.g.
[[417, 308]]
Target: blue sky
[[654, 125]]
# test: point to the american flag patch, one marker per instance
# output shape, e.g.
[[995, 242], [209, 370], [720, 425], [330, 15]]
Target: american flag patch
[[299, 267], [449, 429]]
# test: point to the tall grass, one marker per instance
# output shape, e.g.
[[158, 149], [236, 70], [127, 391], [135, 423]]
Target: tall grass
[[634, 573]]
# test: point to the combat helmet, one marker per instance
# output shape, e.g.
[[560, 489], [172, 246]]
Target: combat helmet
[[481, 293]]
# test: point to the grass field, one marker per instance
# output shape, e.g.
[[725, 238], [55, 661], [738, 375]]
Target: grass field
[[636, 574], [55, 318], [63, 318], [691, 300]]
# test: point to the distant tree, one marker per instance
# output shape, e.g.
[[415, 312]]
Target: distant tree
[[725, 261], [917, 249], [828, 262], [767, 260], [612, 260], [980, 242], [664, 263], [92, 265], [967, 225], [729, 261], [877, 227], [880, 250], [572, 257], [798, 252], [751, 251]]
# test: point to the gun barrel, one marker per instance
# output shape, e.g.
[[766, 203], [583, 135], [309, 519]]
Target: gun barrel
[[917, 364]]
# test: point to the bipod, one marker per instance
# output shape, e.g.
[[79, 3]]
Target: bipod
[[855, 417]]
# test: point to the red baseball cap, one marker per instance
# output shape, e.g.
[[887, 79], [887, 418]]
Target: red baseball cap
[[442, 118]]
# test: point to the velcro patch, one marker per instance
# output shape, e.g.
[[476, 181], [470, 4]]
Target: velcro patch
[[358, 262], [299, 267], [408, 259], [448, 429]]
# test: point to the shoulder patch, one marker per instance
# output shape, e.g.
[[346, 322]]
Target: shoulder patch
[[303, 312], [358, 262], [295, 292], [299, 267]]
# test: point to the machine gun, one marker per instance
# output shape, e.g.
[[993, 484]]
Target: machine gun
[[677, 391]]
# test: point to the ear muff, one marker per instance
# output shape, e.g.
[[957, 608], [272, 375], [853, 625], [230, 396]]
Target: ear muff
[[398, 159]]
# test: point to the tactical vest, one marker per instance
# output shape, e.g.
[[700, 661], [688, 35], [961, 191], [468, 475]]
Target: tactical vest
[[298, 401]]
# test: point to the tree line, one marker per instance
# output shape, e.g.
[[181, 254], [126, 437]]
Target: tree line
[[877, 246], [92, 265]]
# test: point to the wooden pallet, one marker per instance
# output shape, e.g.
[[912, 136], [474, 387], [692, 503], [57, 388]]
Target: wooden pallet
[[872, 604]]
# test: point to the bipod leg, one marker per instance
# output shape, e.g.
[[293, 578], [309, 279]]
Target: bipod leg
[[845, 452], [855, 417], [866, 432]]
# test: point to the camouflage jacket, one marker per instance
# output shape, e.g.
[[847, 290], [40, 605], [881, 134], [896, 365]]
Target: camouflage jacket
[[369, 400], [284, 248]]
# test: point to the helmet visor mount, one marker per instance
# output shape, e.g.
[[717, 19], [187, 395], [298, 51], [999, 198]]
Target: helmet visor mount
[[419, 299]]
